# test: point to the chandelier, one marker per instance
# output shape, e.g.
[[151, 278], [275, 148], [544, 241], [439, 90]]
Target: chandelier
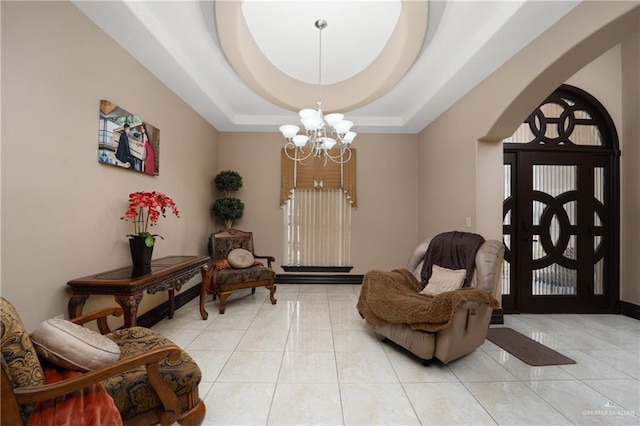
[[322, 132]]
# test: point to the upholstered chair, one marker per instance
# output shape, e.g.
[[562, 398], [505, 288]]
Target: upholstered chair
[[152, 381], [236, 266]]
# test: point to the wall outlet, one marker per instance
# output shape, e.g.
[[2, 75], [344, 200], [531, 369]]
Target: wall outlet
[[468, 221]]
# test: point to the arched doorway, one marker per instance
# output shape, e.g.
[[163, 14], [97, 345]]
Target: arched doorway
[[561, 208]]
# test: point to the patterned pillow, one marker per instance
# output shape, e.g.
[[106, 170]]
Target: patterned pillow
[[18, 354], [443, 279], [72, 346]]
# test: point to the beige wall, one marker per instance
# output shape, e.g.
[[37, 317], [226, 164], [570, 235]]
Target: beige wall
[[630, 172], [463, 159], [384, 226], [61, 209], [446, 188]]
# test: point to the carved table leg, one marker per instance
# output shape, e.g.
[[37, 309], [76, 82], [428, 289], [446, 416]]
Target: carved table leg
[[223, 300], [76, 303], [172, 303], [203, 290], [130, 306], [272, 291]]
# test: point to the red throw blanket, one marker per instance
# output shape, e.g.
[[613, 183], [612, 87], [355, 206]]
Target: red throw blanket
[[90, 406]]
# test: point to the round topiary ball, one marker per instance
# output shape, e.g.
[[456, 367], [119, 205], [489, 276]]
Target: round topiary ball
[[228, 182], [228, 209]]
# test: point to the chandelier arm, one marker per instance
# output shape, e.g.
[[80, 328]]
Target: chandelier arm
[[337, 135], [343, 150], [340, 158], [289, 146]]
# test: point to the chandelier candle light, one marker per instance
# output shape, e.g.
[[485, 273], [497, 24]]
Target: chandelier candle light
[[320, 140]]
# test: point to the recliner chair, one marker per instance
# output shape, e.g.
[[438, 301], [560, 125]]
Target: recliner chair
[[470, 324]]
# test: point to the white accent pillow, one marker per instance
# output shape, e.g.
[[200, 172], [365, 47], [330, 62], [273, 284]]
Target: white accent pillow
[[443, 279], [240, 258], [72, 346]]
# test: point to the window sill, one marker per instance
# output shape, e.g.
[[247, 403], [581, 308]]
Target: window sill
[[326, 269]]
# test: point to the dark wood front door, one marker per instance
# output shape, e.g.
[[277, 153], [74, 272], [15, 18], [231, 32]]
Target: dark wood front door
[[561, 212], [559, 228]]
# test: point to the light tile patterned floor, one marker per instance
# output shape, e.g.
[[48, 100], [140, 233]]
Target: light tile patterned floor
[[310, 360]]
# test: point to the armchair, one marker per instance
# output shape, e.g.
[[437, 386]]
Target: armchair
[[153, 382], [223, 280], [469, 325]]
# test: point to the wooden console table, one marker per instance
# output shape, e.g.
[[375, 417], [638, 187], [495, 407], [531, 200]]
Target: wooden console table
[[128, 285]]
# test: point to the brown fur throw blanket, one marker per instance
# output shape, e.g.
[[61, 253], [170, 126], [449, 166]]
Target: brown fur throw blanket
[[394, 298]]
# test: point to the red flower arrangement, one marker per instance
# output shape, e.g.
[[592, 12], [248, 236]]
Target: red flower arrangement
[[145, 208]]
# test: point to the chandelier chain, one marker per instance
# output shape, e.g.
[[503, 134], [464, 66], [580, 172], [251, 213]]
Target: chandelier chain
[[320, 63]]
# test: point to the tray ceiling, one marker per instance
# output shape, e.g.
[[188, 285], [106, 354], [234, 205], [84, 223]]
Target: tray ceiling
[[464, 42]]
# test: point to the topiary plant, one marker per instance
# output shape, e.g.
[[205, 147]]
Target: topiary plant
[[228, 209], [228, 182]]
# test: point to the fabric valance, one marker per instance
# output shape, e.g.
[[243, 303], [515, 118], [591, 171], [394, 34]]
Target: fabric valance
[[312, 173]]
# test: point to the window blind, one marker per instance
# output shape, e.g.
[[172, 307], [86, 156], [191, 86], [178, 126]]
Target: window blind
[[317, 228]]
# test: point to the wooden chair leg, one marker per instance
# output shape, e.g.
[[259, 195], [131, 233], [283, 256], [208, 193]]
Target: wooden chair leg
[[272, 291], [223, 300], [195, 417], [203, 292]]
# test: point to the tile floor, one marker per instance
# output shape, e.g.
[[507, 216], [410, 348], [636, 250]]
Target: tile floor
[[311, 360]]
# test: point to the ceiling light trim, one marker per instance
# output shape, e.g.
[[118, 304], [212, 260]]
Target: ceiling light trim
[[356, 35], [255, 69]]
